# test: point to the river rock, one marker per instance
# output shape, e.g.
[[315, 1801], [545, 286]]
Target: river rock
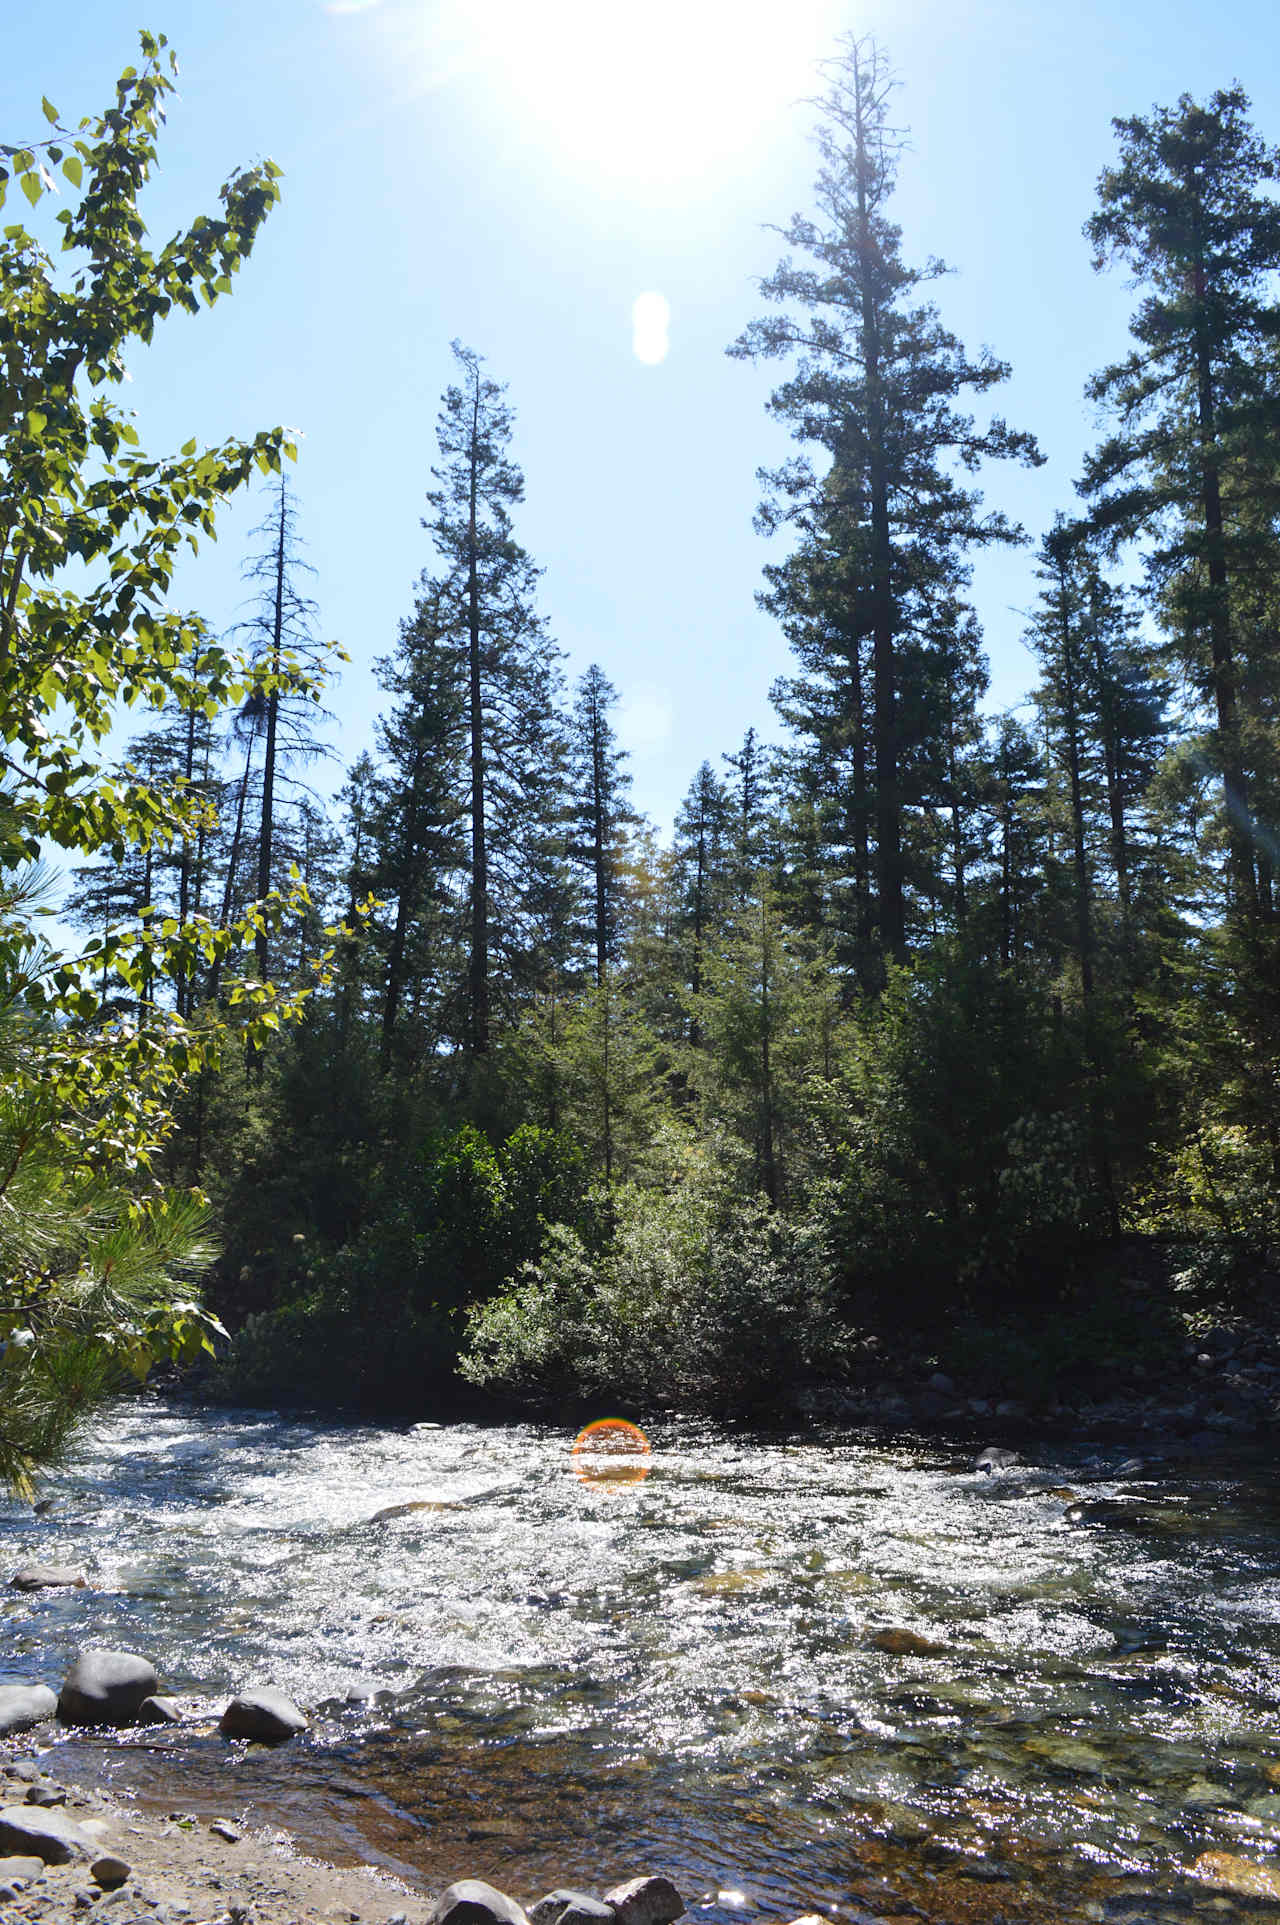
[[645, 1901], [156, 1710], [994, 1458], [48, 1577], [264, 1714], [24, 1705], [906, 1644], [46, 1795], [471, 1902], [19, 1871], [109, 1871], [48, 1835], [106, 1687], [566, 1907], [1241, 1875]]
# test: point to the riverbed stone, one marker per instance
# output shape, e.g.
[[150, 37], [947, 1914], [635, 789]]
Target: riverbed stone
[[899, 1643], [48, 1577], [472, 1902], [106, 1687], [109, 1871], [994, 1458], [156, 1710], [23, 1869], [47, 1835], [264, 1714], [1241, 1875], [24, 1705], [645, 1901], [567, 1907]]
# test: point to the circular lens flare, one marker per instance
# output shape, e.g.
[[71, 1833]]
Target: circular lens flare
[[611, 1451]]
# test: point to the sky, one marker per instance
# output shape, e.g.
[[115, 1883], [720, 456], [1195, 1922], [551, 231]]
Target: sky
[[516, 174]]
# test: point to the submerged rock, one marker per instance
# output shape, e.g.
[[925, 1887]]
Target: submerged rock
[[994, 1458], [155, 1710], [1241, 1875], [24, 1705], [265, 1714], [106, 1687], [906, 1644]]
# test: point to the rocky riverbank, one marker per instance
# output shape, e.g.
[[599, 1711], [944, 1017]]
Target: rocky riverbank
[[70, 1853]]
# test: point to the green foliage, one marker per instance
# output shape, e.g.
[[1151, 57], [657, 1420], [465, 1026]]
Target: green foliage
[[88, 1095], [377, 1322], [698, 1297]]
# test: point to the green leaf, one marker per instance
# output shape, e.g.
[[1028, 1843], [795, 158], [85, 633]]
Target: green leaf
[[50, 112], [31, 187], [73, 170], [188, 447]]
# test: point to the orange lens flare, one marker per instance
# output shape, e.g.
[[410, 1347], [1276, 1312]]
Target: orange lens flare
[[611, 1451]]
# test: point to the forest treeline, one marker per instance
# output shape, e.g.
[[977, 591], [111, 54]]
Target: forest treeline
[[914, 1015]]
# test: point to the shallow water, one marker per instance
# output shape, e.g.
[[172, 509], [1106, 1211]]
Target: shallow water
[[564, 1681]]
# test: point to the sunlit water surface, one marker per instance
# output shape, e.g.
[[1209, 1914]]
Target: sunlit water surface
[[543, 1680]]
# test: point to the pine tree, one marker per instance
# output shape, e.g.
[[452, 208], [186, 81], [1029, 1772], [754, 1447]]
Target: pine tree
[[1192, 464], [600, 814], [876, 385], [482, 602], [282, 643]]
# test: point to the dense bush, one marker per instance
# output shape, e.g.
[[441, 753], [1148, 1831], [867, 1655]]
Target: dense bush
[[700, 1298]]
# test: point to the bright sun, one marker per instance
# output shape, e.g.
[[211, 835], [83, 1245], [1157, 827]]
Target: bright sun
[[648, 96]]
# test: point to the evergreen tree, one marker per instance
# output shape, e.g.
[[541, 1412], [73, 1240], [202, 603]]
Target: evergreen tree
[[1192, 463], [600, 814], [482, 606], [282, 645], [876, 386]]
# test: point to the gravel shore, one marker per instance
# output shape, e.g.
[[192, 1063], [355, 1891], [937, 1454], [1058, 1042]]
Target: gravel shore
[[180, 1870]]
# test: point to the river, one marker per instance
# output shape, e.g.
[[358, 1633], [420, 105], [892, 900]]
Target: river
[[543, 1679]]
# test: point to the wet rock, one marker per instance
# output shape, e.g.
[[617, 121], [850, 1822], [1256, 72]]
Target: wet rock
[[906, 1644], [1115, 1514], [106, 1687], [109, 1871], [471, 1902], [942, 1383], [994, 1458], [645, 1901], [24, 1768], [155, 1710], [265, 1714], [1240, 1875], [1267, 1809], [567, 1907], [48, 1835], [24, 1705], [48, 1577], [228, 1833]]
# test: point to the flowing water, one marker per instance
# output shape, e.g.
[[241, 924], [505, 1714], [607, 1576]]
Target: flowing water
[[543, 1679]]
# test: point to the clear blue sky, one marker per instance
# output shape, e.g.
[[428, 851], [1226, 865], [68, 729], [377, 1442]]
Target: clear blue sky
[[514, 173]]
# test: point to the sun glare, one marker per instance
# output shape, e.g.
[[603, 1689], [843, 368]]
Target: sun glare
[[649, 96]]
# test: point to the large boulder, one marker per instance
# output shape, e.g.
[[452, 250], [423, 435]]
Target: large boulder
[[48, 1577], [645, 1901], [28, 1831], [23, 1705], [106, 1687], [264, 1714], [471, 1902]]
